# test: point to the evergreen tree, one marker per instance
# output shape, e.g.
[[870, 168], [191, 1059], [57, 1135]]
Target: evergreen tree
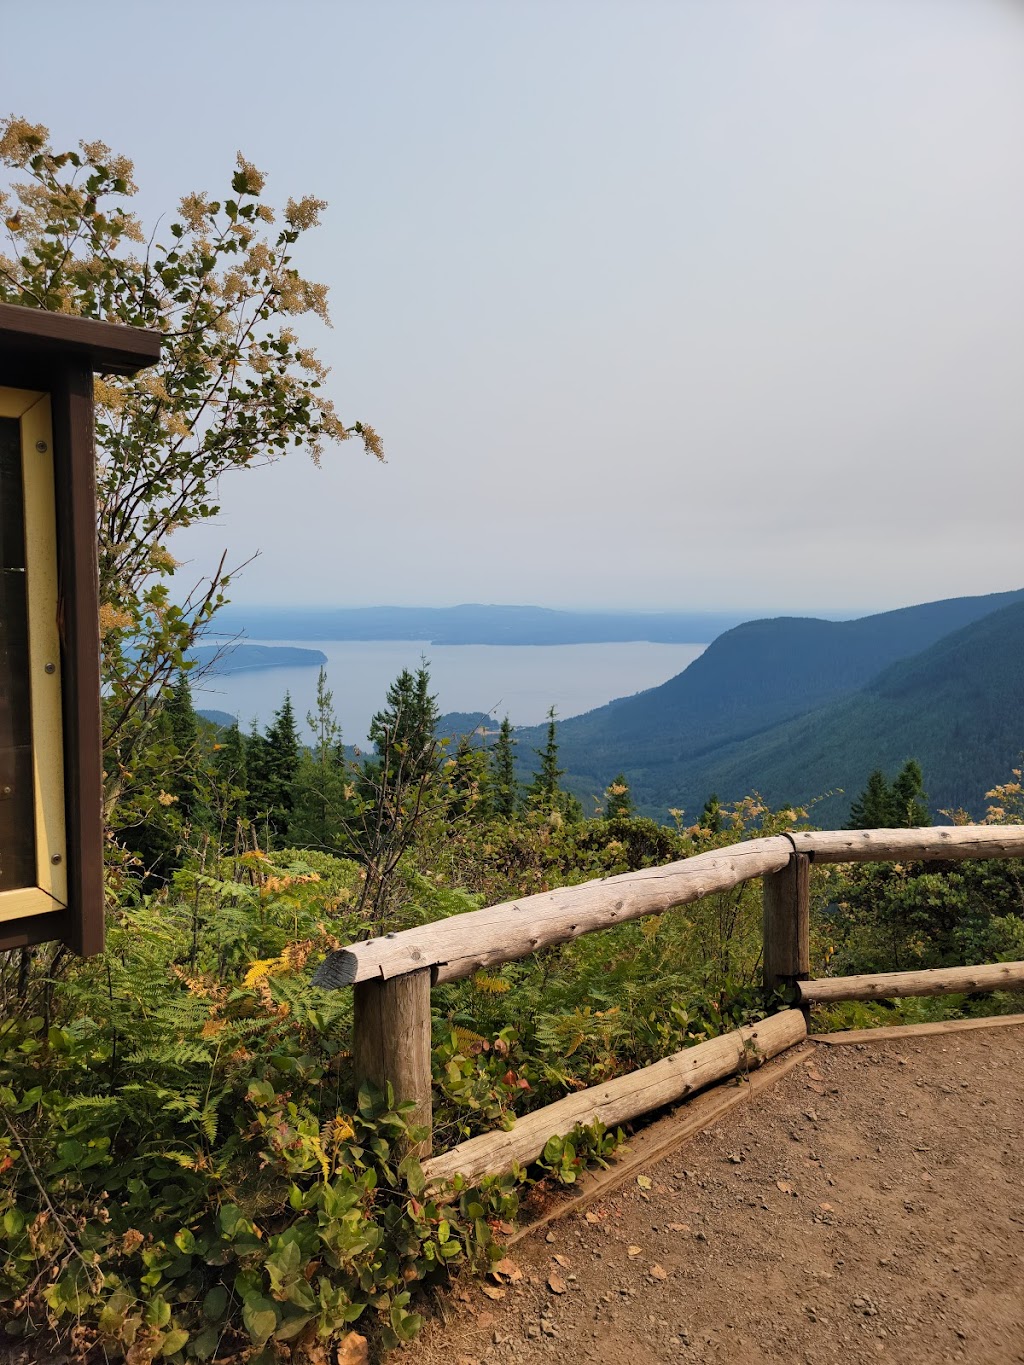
[[711, 815], [543, 792], [618, 801], [469, 778], [321, 790], [231, 780], [404, 733], [273, 763], [181, 727], [873, 808], [909, 805], [900, 805], [504, 787]]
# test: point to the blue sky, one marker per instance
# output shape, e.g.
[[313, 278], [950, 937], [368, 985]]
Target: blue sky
[[672, 305]]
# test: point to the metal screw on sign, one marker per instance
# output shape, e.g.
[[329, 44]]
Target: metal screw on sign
[[55, 859], [50, 668], [42, 447]]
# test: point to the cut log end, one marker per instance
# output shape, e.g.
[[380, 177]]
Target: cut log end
[[337, 970]]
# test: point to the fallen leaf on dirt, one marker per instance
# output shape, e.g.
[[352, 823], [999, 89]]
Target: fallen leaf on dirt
[[826, 1208], [492, 1291], [556, 1284], [353, 1350], [784, 1186], [813, 1074], [678, 1227], [506, 1269], [506, 1228], [925, 1176], [658, 1272], [592, 1217], [644, 1181], [633, 1251], [486, 1319], [563, 1261]]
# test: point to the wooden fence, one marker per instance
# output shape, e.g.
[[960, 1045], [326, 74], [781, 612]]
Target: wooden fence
[[392, 976]]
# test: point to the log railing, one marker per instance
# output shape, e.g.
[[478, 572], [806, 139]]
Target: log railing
[[392, 976]]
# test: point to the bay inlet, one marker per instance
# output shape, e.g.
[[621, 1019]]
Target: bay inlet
[[522, 681]]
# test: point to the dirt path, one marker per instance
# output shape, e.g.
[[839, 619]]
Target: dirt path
[[868, 1207]]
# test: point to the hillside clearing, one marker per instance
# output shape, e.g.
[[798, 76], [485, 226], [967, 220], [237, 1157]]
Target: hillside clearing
[[869, 1206]]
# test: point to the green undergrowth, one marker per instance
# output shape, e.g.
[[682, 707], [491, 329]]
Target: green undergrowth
[[191, 1174]]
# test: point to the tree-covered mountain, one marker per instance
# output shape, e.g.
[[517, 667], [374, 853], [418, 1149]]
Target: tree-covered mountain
[[679, 741], [957, 707]]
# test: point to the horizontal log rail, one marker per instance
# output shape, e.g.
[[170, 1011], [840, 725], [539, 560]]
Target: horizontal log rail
[[943, 843], [392, 975], [999, 976], [672, 1079], [462, 944]]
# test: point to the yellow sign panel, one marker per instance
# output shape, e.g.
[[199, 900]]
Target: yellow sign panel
[[33, 856]]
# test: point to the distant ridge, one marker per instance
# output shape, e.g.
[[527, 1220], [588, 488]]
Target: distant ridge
[[957, 707], [671, 741], [475, 624]]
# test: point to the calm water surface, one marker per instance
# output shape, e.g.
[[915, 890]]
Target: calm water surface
[[521, 681]]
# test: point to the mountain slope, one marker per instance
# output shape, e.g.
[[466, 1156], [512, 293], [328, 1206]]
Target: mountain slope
[[749, 679], [957, 707]]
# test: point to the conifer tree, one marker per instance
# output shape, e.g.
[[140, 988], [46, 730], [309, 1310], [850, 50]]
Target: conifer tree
[[321, 800], [181, 726], [273, 764], [899, 805], [504, 787], [873, 808], [231, 779], [543, 792], [618, 800], [469, 778], [909, 805], [404, 733], [711, 815]]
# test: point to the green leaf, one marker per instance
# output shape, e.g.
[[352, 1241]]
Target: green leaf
[[158, 1311], [174, 1341], [215, 1304], [185, 1241], [411, 1169], [259, 1317]]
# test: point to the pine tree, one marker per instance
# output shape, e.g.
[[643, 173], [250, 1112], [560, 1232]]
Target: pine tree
[[231, 779], [618, 800], [900, 805], [711, 815], [273, 763], [543, 792], [873, 808], [321, 789], [504, 787], [181, 726], [469, 778], [404, 733], [909, 805]]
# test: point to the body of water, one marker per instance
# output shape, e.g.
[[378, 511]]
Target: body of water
[[521, 681]]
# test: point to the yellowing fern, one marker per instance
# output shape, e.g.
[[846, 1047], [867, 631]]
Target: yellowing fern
[[490, 985]]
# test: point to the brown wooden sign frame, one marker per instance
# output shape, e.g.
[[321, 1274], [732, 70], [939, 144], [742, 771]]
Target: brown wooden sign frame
[[56, 356]]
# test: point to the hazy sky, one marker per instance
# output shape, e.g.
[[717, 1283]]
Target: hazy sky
[[709, 303]]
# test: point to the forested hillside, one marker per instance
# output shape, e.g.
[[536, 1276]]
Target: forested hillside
[[675, 742], [957, 707]]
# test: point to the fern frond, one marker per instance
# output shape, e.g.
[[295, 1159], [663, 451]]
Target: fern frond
[[469, 1042], [490, 985]]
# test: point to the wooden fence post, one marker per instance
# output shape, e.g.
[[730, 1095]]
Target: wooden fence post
[[391, 1042], [787, 951]]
